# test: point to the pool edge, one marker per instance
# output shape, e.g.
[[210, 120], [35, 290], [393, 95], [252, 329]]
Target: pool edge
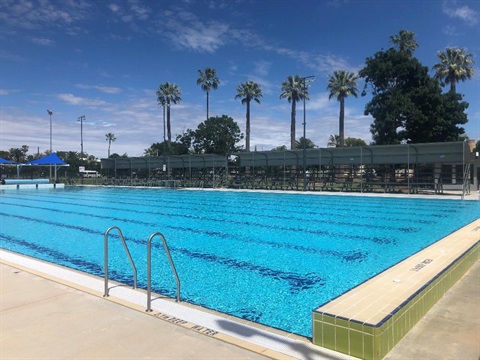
[[374, 340]]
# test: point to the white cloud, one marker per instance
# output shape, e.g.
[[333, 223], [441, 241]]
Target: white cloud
[[464, 13], [43, 41], [28, 14], [104, 89], [262, 67], [114, 7], [450, 30], [75, 100], [7, 91], [197, 36], [141, 12]]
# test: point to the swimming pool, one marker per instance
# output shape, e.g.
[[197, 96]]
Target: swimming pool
[[266, 257]]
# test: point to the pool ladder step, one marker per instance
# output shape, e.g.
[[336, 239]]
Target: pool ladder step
[[132, 264]]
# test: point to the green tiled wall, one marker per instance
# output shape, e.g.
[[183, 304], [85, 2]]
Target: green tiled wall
[[374, 342]]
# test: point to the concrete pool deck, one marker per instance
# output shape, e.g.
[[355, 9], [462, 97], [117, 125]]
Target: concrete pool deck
[[41, 318], [52, 312]]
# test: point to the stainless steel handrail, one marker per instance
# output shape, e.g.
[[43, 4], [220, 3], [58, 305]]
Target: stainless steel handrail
[[466, 181], [105, 258], [149, 266]]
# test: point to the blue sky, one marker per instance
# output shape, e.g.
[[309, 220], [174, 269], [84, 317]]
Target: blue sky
[[105, 59]]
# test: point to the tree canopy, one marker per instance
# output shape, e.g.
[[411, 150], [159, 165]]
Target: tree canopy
[[404, 41], [164, 148], [217, 135], [407, 104], [304, 142], [455, 65]]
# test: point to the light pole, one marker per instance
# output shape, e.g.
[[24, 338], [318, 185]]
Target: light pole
[[50, 112], [81, 119], [305, 78]]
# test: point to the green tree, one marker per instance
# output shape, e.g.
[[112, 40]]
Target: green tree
[[309, 144], [19, 154], [159, 149], [333, 141], [354, 142], [167, 94], [294, 89], [404, 41], [247, 92], [436, 116], [208, 80], [407, 104], [340, 85], [110, 137], [218, 135], [280, 148], [73, 159], [455, 65]]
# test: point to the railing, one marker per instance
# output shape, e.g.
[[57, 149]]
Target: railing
[[149, 266], [466, 181], [105, 247]]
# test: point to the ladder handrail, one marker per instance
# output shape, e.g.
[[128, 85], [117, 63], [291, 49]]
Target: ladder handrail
[[149, 266], [466, 181], [105, 258]]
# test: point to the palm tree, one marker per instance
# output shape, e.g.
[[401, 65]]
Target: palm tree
[[333, 141], [455, 65], [342, 84], [208, 80], [167, 94], [405, 42], [304, 143], [294, 90], [247, 92], [110, 138]]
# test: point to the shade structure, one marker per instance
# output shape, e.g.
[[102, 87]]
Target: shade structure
[[172, 162], [50, 160], [7, 162], [448, 152]]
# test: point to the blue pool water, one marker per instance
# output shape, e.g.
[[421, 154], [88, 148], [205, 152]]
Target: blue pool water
[[266, 257]]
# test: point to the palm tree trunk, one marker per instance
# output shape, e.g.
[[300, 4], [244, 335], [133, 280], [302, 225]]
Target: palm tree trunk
[[207, 103], [109, 143], [453, 86], [247, 129], [169, 131], [341, 130], [292, 125]]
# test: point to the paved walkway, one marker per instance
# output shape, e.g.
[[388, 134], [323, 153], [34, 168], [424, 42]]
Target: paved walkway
[[42, 319]]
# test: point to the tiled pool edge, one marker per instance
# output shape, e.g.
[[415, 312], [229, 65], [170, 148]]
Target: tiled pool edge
[[374, 341]]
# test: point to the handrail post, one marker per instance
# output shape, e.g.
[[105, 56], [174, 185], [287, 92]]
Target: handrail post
[[149, 266], [105, 258], [105, 261]]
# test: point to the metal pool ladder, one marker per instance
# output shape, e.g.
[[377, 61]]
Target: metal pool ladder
[[149, 266], [105, 246]]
